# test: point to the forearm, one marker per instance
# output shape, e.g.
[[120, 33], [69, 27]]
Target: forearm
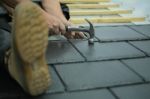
[[52, 6]]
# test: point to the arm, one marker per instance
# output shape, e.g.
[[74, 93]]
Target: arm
[[53, 7]]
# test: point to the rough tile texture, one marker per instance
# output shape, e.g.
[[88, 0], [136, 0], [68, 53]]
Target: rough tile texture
[[62, 51], [117, 33], [56, 83], [141, 66], [133, 92], [101, 51], [143, 45], [145, 29], [103, 94], [91, 75], [82, 79]]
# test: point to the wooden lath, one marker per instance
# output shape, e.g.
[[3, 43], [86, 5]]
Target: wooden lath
[[92, 6], [98, 12], [83, 1], [108, 20]]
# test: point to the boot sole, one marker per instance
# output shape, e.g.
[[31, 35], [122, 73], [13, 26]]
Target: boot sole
[[30, 32]]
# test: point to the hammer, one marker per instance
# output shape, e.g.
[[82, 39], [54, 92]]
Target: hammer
[[90, 31]]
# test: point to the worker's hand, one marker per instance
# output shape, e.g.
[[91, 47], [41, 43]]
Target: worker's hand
[[75, 35], [56, 26]]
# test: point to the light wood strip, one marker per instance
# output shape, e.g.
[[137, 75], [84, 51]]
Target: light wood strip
[[98, 12], [92, 6], [83, 1], [108, 20]]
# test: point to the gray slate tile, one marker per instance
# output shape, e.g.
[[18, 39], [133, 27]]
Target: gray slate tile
[[56, 83], [101, 51], [141, 66], [117, 33], [62, 51], [145, 29], [95, 94], [95, 75], [143, 45], [133, 92]]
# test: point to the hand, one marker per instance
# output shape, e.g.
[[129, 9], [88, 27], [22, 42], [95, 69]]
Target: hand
[[75, 35], [56, 26]]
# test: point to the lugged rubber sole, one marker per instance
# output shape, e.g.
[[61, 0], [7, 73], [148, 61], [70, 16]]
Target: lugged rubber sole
[[30, 39]]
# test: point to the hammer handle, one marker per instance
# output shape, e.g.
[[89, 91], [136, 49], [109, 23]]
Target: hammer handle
[[70, 29]]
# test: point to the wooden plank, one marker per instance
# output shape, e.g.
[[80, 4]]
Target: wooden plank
[[98, 12], [92, 6], [108, 20], [83, 1]]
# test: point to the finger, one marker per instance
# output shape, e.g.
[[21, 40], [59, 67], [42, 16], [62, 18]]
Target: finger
[[76, 36], [55, 27], [62, 28], [81, 34], [68, 23], [73, 34], [68, 35], [51, 32]]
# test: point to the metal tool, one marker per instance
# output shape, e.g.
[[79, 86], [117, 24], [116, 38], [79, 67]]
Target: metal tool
[[90, 31]]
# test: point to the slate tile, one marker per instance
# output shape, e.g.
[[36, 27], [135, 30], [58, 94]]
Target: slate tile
[[62, 51], [101, 51], [141, 66], [143, 45], [56, 83], [8, 86], [95, 75], [117, 33], [133, 92], [145, 29], [95, 94]]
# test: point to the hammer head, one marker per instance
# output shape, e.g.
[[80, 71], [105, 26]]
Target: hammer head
[[91, 29], [91, 32]]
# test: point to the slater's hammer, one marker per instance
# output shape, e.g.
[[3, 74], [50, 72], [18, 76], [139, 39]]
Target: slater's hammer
[[90, 31]]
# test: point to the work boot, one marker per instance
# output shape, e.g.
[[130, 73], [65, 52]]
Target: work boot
[[27, 64]]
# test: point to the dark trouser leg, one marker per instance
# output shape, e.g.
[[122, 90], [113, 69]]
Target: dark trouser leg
[[4, 39]]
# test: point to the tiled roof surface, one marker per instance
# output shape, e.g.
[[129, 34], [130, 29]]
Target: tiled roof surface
[[117, 66]]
